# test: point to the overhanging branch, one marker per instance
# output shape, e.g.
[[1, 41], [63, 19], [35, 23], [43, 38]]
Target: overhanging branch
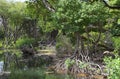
[[111, 7], [48, 6]]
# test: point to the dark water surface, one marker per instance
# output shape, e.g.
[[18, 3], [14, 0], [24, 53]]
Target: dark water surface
[[39, 73], [31, 73], [36, 72]]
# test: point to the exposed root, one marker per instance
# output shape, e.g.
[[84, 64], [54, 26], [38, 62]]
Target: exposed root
[[79, 66]]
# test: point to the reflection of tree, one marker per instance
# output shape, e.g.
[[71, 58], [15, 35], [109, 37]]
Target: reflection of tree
[[10, 59]]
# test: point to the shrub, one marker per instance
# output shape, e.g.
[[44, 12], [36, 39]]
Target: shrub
[[113, 67], [24, 41], [69, 62], [2, 34], [116, 42]]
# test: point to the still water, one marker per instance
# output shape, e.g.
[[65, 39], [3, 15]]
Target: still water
[[37, 74], [34, 73], [1, 66]]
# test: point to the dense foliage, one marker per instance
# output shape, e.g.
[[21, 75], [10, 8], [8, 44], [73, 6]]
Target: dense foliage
[[79, 15], [88, 27], [113, 65], [24, 41]]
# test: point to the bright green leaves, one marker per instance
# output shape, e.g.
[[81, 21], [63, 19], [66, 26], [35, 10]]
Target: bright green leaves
[[69, 62], [73, 15], [83, 64], [17, 13], [35, 8], [4, 7], [66, 15], [116, 41], [114, 2], [24, 41], [113, 65], [94, 13], [13, 11], [118, 22]]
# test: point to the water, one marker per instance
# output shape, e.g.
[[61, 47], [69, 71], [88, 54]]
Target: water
[[1, 66], [35, 73], [39, 73]]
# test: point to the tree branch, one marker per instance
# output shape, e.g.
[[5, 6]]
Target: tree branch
[[111, 7], [48, 6], [99, 44]]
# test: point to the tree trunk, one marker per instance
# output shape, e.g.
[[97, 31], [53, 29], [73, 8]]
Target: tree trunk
[[5, 25], [76, 52]]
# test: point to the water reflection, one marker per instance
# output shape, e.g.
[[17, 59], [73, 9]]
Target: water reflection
[[58, 76], [36, 73]]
